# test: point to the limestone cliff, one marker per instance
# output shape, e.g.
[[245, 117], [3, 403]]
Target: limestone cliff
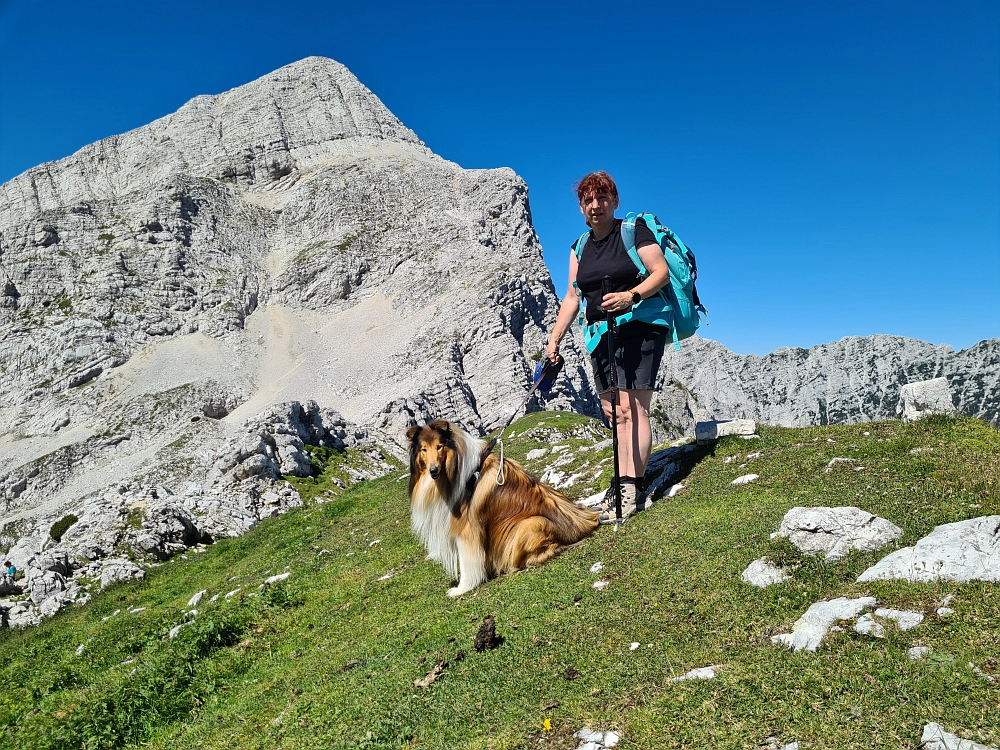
[[845, 382], [267, 254]]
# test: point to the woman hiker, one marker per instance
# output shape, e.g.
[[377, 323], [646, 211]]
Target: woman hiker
[[638, 345]]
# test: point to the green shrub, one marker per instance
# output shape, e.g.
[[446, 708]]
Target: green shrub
[[60, 527]]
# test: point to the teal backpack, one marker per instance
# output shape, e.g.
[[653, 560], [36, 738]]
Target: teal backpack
[[676, 306]]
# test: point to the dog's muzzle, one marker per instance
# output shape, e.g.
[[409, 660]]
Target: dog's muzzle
[[434, 470]]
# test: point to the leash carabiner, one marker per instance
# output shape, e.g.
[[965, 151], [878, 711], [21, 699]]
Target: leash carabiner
[[501, 473]]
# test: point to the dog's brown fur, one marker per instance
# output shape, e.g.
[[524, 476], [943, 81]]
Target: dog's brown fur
[[500, 528]]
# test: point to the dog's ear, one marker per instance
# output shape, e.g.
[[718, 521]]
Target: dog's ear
[[441, 426], [412, 432]]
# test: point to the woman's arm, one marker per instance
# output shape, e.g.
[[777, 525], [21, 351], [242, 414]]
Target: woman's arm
[[658, 274], [567, 311]]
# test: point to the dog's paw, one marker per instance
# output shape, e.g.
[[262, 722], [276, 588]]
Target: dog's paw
[[456, 591]]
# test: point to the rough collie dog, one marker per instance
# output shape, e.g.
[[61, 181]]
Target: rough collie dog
[[497, 528]]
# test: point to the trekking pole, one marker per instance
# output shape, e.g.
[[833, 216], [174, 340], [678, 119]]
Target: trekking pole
[[605, 291]]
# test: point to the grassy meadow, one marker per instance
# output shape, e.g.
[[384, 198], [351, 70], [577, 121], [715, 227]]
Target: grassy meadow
[[328, 658]]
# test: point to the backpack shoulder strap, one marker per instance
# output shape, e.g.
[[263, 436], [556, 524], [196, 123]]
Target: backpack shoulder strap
[[578, 247], [628, 239]]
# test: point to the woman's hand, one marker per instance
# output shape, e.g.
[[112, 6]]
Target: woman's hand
[[616, 302]]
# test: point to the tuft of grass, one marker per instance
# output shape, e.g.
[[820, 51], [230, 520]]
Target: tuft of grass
[[328, 657]]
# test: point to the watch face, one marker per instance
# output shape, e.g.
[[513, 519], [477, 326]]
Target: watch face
[[636, 298]]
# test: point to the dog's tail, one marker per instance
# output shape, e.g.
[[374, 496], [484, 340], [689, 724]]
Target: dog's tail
[[569, 522]]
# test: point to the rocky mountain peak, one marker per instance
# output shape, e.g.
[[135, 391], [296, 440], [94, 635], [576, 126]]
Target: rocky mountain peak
[[287, 121]]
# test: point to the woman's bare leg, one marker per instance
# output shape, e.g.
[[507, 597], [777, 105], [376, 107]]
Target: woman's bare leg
[[635, 438]]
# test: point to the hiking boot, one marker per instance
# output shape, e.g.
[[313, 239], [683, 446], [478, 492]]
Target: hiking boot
[[629, 504]]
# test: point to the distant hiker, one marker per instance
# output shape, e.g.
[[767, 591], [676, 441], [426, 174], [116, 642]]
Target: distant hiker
[[639, 344], [9, 571]]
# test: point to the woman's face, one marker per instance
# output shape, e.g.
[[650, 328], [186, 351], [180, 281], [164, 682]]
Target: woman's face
[[598, 208]]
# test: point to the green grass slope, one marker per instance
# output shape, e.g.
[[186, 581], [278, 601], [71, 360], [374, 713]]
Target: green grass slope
[[328, 658]]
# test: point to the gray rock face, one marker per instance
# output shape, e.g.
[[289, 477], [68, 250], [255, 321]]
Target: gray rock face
[[834, 532], [845, 382], [917, 400], [120, 569], [256, 253], [962, 551]]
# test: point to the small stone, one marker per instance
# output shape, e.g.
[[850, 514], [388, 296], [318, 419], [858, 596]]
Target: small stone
[[701, 673], [597, 567], [763, 573], [918, 652], [835, 461], [634, 645], [589, 735], [905, 620], [745, 479], [194, 600], [935, 737], [866, 625], [601, 585], [274, 579]]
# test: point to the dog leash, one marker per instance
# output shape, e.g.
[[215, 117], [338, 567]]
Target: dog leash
[[548, 373]]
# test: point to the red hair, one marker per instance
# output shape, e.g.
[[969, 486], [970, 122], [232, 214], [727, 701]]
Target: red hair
[[596, 183]]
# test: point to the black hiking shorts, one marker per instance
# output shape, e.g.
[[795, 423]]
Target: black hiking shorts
[[638, 351]]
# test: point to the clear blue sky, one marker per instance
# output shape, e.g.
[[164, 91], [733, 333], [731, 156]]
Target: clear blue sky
[[836, 166]]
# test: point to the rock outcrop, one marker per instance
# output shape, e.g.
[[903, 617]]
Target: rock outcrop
[[962, 551], [834, 532], [845, 382], [917, 400]]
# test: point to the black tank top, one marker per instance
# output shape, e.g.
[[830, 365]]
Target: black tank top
[[608, 257]]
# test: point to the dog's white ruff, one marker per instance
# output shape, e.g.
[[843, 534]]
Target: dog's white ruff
[[431, 519]]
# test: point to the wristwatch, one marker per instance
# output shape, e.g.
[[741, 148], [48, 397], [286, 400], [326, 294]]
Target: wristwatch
[[636, 297]]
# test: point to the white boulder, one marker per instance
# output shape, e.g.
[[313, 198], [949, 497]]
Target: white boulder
[[834, 532], [763, 573], [917, 400], [810, 629], [707, 431], [962, 551]]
